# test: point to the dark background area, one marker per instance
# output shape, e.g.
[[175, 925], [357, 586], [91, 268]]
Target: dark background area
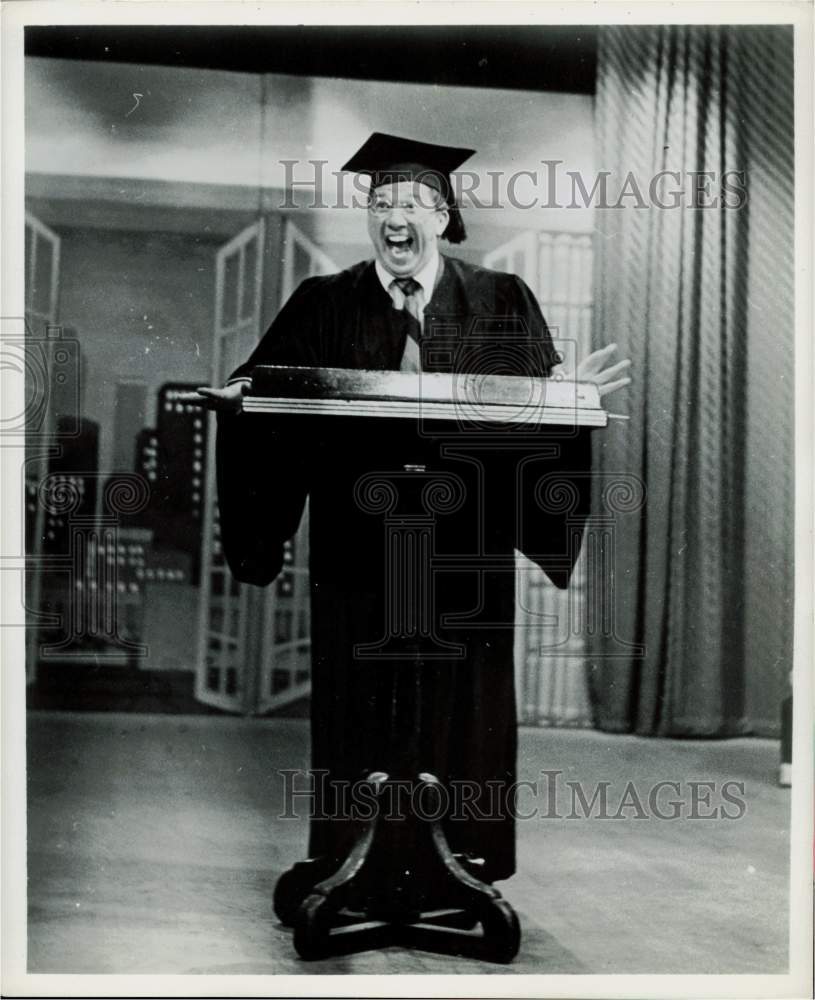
[[552, 57]]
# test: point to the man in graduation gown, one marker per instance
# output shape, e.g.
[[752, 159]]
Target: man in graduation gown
[[473, 495]]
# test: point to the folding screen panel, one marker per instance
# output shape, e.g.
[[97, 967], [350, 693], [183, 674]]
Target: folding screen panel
[[41, 355], [285, 643], [550, 647], [254, 645], [223, 669]]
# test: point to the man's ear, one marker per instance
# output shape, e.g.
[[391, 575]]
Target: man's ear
[[442, 218]]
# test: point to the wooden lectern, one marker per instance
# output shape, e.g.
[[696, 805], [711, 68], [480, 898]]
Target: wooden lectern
[[399, 881]]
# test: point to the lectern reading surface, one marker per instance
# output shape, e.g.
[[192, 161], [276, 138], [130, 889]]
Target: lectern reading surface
[[425, 395]]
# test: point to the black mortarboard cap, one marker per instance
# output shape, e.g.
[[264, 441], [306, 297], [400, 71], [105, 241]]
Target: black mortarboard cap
[[387, 159]]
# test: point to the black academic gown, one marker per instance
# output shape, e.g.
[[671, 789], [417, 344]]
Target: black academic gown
[[481, 495]]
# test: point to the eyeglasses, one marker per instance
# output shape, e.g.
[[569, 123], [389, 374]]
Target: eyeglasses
[[380, 207]]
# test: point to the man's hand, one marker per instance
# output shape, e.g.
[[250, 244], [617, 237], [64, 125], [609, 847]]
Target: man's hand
[[226, 400], [593, 369]]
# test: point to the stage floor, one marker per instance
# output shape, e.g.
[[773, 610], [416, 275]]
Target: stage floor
[[155, 843]]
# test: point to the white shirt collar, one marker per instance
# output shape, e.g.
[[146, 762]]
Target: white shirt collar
[[426, 277]]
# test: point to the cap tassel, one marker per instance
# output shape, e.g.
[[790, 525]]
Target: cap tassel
[[454, 231]]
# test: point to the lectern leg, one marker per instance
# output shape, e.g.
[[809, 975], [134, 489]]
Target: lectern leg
[[477, 903], [295, 884], [317, 913]]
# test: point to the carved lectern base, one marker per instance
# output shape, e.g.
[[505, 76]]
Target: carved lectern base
[[398, 884]]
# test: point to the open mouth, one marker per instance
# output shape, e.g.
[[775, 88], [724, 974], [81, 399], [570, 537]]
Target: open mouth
[[399, 246]]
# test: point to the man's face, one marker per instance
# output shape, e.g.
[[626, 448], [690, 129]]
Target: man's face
[[405, 221]]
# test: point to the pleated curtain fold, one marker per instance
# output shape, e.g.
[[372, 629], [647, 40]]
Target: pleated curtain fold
[[701, 299]]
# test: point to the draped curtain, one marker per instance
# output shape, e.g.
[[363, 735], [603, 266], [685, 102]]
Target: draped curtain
[[701, 299]]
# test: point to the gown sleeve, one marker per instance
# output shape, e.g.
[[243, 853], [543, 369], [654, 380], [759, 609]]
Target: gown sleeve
[[553, 482], [261, 466]]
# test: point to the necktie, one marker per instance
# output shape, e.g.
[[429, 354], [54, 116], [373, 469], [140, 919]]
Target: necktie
[[407, 294]]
